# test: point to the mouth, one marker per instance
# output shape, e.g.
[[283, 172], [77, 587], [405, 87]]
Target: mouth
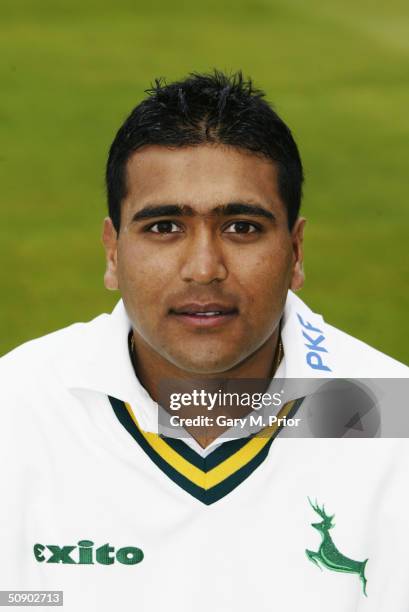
[[206, 315]]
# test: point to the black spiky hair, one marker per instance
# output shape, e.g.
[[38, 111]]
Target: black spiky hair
[[206, 108]]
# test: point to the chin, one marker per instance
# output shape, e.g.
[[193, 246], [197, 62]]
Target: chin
[[197, 366]]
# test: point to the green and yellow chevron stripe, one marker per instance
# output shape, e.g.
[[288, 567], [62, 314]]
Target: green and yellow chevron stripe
[[209, 478]]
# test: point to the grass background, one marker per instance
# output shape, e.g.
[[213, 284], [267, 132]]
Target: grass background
[[338, 74]]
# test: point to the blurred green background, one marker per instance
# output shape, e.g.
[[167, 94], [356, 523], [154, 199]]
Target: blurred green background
[[338, 74]]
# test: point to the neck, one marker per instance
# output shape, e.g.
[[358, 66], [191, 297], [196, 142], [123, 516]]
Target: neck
[[151, 368]]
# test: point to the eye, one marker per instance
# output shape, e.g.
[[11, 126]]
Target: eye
[[164, 227], [242, 227]]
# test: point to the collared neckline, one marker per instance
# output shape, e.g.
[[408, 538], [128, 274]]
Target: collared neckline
[[102, 362]]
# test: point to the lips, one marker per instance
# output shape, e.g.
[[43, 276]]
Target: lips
[[210, 314], [208, 309]]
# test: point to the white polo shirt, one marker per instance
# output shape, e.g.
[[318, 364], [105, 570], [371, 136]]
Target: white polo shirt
[[96, 504]]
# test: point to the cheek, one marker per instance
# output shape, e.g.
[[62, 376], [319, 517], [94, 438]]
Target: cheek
[[143, 275], [265, 273]]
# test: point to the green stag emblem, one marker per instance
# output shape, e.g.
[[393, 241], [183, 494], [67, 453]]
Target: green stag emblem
[[328, 554]]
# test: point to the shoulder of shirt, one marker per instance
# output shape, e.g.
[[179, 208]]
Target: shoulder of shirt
[[353, 357], [376, 363], [40, 357]]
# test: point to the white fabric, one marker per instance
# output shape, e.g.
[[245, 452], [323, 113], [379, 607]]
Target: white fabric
[[70, 472]]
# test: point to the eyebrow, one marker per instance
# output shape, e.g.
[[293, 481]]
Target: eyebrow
[[176, 210]]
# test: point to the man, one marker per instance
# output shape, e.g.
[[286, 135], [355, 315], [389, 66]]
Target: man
[[205, 243]]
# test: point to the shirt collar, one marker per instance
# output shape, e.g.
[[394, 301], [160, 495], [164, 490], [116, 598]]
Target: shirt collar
[[99, 358], [103, 364]]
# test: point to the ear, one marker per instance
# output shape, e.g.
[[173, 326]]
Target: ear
[[297, 237], [110, 240]]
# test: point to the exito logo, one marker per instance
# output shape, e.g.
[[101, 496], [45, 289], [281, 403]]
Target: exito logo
[[84, 554], [328, 555]]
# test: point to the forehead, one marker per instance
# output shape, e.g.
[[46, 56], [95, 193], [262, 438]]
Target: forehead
[[201, 176]]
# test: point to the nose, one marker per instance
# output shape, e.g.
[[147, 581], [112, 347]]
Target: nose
[[203, 260]]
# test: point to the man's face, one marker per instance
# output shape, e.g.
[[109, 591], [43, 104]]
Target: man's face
[[204, 257]]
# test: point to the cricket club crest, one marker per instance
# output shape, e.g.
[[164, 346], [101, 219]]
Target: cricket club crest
[[328, 555]]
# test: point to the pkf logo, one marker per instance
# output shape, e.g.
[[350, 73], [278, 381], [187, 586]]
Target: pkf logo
[[316, 350]]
